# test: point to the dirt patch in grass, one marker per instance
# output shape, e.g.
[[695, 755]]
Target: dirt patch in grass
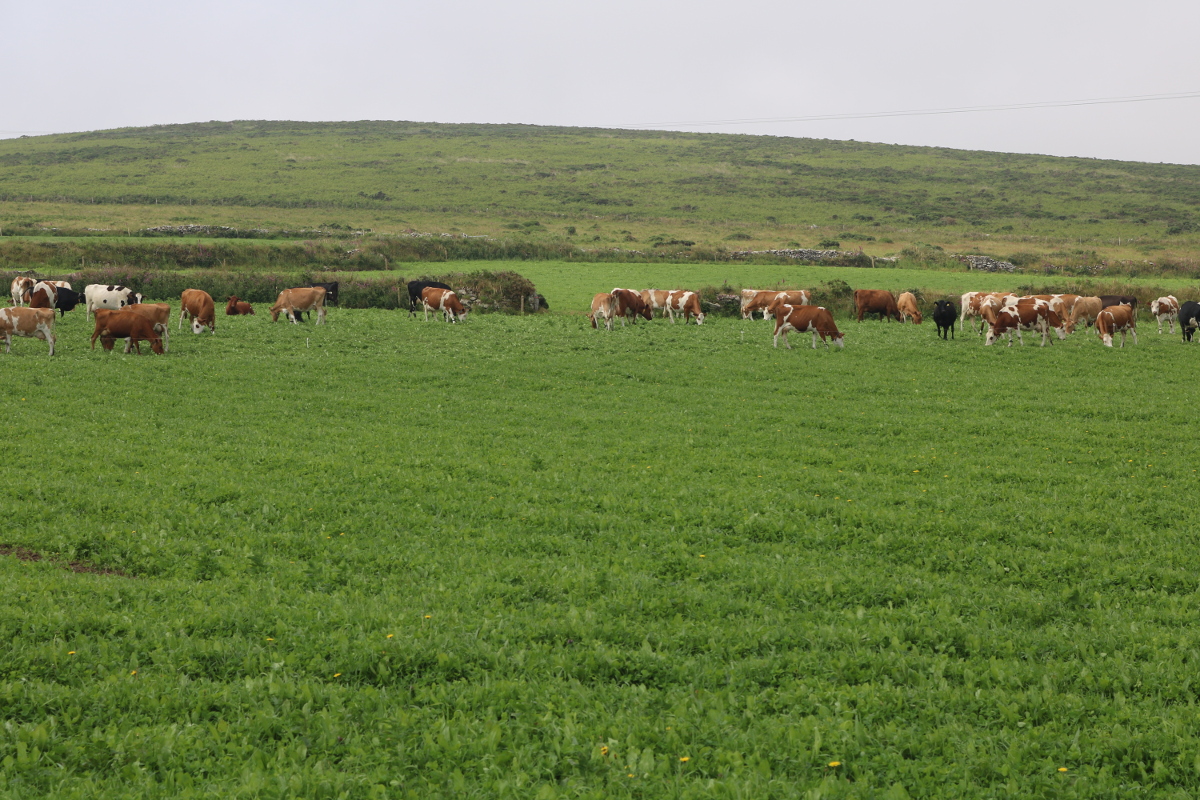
[[25, 554]]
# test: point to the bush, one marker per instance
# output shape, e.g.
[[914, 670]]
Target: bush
[[829, 244]]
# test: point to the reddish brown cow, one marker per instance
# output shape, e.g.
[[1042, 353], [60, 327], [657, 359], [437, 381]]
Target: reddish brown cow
[[235, 307], [806, 318], [1116, 318], [604, 308], [36, 323], [876, 301], [630, 304], [906, 303], [128, 325], [197, 305], [311, 298], [159, 315], [445, 301]]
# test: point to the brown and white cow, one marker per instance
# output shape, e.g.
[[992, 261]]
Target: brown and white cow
[[159, 315], [790, 297], [656, 299], [443, 301], [310, 298], [36, 323], [906, 304], [801, 319], [1022, 314], [681, 301], [21, 286], [1165, 308], [128, 325], [759, 301], [1084, 310], [43, 295], [1063, 305], [604, 308], [974, 303], [197, 305], [875, 301], [236, 307], [630, 304], [1116, 318]]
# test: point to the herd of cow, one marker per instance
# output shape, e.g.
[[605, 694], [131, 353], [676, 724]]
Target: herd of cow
[[121, 314]]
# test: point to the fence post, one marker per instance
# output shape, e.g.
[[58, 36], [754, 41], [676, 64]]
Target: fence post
[[522, 305]]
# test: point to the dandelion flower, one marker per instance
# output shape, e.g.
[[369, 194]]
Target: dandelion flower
[[685, 759], [429, 616], [337, 674], [702, 555], [70, 652], [1062, 769], [133, 672], [390, 635], [603, 750], [835, 763], [630, 775]]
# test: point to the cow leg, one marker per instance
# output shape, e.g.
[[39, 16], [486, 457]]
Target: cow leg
[[8, 343], [165, 330], [321, 315], [1133, 333], [51, 338]]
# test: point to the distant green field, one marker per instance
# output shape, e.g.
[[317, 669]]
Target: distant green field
[[521, 558]]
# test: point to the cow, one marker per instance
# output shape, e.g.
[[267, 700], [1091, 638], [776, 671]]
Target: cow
[[235, 307], [656, 299], [973, 304], [159, 315], [1116, 318], [630, 304], [797, 297], [1085, 309], [1107, 300], [197, 305], [445, 301], [128, 325], [21, 286], [66, 300], [681, 301], [1165, 308], [944, 315], [97, 295], [305, 298], [36, 323], [43, 295], [414, 293], [875, 301], [806, 318], [1063, 305], [61, 284], [1189, 319], [762, 301], [1023, 314], [331, 291], [604, 307], [906, 304]]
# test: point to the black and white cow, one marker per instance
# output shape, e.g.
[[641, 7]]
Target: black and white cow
[[97, 295], [1189, 318]]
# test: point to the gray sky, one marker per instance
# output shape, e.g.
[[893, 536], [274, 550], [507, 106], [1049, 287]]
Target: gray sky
[[75, 66]]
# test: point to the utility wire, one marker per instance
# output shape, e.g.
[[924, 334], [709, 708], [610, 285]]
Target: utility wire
[[1097, 101]]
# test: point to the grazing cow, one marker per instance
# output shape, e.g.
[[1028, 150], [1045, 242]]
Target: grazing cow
[[656, 299], [681, 301], [1023, 314], [128, 325], [1116, 318], [21, 286], [43, 295], [1189, 319], [1085, 309], [235, 307], [797, 297], [159, 315], [1107, 300], [66, 300], [307, 298], [97, 295], [1063, 305], [759, 301], [973, 304], [1165, 308], [630, 304], [36, 323], [906, 304], [875, 301], [806, 318], [944, 315], [445, 301], [197, 305], [414, 293], [604, 307]]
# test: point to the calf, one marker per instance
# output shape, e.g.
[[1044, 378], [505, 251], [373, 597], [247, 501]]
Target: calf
[[604, 307], [128, 325], [1116, 318], [97, 295], [1165, 308], [445, 301], [944, 315], [36, 323], [21, 286], [159, 315], [197, 305], [630, 304], [681, 301], [414, 293], [1189, 319], [301, 299], [875, 301], [806, 318], [235, 307], [906, 304]]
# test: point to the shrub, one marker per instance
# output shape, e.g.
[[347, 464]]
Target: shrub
[[829, 244]]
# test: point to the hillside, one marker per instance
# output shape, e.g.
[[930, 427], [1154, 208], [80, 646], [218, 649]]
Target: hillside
[[600, 188]]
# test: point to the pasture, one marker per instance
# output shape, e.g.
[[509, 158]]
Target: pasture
[[521, 558]]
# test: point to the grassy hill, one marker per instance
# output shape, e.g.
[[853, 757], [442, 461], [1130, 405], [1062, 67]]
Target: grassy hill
[[601, 188]]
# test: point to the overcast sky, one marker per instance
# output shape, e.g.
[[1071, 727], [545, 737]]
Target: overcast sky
[[75, 66]]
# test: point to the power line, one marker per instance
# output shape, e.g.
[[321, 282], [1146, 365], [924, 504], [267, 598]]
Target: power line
[[1097, 101]]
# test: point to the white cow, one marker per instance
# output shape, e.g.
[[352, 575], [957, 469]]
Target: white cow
[[97, 295]]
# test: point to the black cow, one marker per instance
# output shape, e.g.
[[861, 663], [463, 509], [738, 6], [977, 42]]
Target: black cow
[[1189, 318], [331, 292], [944, 314], [67, 300], [414, 293], [1107, 300]]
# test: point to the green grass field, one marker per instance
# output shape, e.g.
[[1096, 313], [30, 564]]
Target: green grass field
[[521, 558]]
